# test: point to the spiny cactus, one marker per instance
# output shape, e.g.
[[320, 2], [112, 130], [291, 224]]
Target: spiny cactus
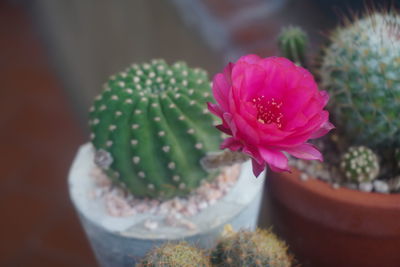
[[175, 255], [361, 70], [244, 248], [150, 128], [359, 164], [293, 42]]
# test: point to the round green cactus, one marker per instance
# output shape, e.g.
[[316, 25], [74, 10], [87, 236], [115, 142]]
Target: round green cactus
[[293, 42], [150, 127], [175, 255], [361, 70], [244, 248], [359, 164]]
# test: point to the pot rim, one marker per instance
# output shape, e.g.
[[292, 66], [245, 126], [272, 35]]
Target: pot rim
[[342, 194], [343, 209]]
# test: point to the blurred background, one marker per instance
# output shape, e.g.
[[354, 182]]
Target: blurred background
[[54, 57]]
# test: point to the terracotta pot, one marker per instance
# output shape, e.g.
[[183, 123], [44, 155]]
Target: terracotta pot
[[326, 227]]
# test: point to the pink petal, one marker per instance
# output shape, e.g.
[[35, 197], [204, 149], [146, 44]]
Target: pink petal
[[257, 168], [223, 129], [245, 131], [325, 128], [325, 97], [232, 144], [298, 120], [215, 109], [253, 152], [228, 72], [220, 89], [305, 151], [295, 100], [227, 117], [275, 159], [248, 79], [251, 58], [304, 133]]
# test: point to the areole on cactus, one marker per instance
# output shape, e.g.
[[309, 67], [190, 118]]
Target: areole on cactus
[[150, 128], [361, 69]]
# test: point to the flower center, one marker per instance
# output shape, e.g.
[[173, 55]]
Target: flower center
[[268, 111]]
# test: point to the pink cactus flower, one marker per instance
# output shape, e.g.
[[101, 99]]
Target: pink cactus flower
[[269, 106]]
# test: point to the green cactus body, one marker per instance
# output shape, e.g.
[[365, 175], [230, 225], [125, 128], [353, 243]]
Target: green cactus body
[[244, 248], [175, 255], [361, 71], [359, 164], [150, 128], [293, 42]]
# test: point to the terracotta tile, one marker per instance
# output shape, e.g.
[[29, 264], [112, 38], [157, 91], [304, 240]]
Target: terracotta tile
[[28, 80], [39, 138], [66, 234], [14, 162], [38, 258], [45, 124], [23, 213], [46, 174]]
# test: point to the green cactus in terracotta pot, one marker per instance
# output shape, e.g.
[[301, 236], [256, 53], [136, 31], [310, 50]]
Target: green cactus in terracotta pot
[[246, 248], [361, 69], [150, 127], [175, 255]]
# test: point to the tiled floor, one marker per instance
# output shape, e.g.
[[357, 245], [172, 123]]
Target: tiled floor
[[38, 139]]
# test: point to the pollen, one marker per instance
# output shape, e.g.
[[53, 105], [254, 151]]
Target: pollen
[[268, 110]]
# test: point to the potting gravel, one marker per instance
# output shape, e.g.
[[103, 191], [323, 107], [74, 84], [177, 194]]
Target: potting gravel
[[176, 211]]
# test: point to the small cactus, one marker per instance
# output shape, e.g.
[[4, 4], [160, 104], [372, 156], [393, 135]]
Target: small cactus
[[150, 127], [359, 165], [244, 248], [361, 69], [293, 42], [175, 255]]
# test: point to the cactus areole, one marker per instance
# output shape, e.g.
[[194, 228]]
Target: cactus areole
[[150, 127]]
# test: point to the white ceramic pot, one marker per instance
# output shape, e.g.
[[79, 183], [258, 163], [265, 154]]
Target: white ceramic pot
[[121, 241]]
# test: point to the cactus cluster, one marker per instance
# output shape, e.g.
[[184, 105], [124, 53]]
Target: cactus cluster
[[293, 43], [175, 255], [245, 248], [361, 69], [359, 164], [150, 127], [234, 249]]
